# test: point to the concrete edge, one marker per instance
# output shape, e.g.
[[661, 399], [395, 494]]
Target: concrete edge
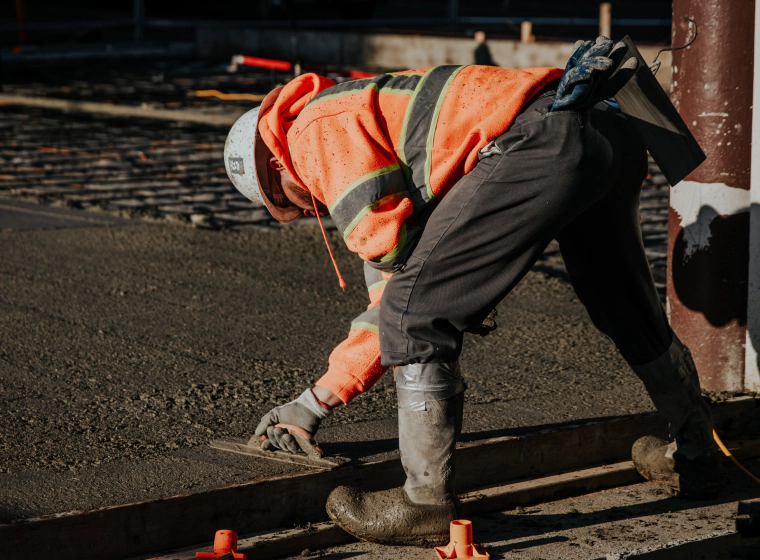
[[132, 529]]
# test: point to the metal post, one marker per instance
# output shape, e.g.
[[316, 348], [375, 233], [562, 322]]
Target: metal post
[[453, 13], [21, 20], [139, 18], [708, 221], [526, 32], [605, 19], [296, 58], [752, 361]]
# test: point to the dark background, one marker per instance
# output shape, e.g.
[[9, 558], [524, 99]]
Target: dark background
[[288, 13]]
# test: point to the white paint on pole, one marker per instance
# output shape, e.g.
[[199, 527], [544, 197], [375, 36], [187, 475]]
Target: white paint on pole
[[698, 204], [752, 367]]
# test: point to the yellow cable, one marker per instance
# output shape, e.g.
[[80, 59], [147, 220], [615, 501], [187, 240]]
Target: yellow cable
[[727, 453], [229, 96]]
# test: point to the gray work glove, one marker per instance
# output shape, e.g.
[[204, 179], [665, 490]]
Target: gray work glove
[[592, 74], [304, 412]]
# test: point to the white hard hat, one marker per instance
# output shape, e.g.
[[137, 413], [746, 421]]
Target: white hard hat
[[246, 159]]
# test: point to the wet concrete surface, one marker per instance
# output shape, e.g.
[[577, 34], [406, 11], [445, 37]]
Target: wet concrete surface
[[125, 349], [628, 522]]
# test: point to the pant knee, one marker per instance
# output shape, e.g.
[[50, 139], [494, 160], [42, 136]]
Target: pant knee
[[418, 384]]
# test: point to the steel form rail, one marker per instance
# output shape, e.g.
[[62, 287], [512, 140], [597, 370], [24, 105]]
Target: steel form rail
[[532, 492], [136, 529]]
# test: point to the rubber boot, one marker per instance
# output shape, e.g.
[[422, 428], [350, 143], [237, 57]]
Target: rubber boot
[[691, 463], [419, 513]]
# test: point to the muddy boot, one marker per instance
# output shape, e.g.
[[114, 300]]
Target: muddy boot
[[430, 421], [690, 464]]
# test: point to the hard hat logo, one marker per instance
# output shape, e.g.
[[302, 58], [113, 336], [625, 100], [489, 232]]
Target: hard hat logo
[[236, 166]]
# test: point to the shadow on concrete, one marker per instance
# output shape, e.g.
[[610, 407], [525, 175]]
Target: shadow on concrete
[[521, 526], [488, 434], [8, 514], [503, 549], [359, 449]]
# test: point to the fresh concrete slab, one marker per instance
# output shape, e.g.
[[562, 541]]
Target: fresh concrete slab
[[125, 350]]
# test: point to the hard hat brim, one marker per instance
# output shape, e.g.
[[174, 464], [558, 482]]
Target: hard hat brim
[[261, 155]]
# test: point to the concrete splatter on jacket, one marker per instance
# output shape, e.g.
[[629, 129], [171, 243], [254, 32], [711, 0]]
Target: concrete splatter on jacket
[[379, 152]]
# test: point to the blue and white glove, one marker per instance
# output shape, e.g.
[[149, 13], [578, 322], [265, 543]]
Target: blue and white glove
[[593, 73]]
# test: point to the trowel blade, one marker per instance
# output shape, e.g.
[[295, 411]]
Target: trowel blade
[[237, 446]]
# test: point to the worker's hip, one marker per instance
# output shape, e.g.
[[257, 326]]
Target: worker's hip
[[492, 225]]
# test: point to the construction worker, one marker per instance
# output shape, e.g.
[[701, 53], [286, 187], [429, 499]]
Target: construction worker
[[449, 183], [482, 52]]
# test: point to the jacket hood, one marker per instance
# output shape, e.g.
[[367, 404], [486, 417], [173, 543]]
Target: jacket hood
[[277, 121]]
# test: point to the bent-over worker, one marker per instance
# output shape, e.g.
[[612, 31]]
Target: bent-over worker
[[449, 182]]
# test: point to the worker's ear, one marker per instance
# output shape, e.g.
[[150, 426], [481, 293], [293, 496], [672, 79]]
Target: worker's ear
[[275, 164]]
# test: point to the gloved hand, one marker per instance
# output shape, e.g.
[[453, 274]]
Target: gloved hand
[[588, 77], [304, 412]]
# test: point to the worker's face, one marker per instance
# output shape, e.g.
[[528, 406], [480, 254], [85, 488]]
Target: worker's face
[[295, 194]]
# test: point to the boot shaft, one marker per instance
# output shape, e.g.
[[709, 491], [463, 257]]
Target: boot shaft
[[673, 385], [429, 429]]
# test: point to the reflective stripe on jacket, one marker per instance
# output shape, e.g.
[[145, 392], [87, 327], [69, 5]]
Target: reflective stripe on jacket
[[379, 152]]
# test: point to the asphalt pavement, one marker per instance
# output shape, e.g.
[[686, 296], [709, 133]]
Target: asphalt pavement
[[126, 346]]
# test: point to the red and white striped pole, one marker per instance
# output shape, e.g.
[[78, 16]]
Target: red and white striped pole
[[709, 218]]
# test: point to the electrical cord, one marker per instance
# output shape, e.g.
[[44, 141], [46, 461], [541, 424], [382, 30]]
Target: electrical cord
[[728, 454]]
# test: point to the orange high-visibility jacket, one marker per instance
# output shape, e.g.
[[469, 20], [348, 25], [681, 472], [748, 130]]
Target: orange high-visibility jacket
[[378, 152]]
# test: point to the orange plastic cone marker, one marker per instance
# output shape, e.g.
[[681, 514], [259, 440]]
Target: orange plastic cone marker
[[461, 545], [225, 542]]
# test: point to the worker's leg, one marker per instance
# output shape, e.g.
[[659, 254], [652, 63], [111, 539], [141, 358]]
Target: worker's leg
[[479, 242], [489, 230], [419, 513], [605, 258]]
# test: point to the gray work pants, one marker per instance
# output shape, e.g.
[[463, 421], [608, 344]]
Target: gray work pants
[[573, 176]]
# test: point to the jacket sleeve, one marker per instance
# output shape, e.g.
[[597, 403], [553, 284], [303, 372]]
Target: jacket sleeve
[[345, 160], [355, 362]]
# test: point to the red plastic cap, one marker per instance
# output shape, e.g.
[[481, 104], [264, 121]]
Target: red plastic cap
[[225, 542], [461, 545]]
